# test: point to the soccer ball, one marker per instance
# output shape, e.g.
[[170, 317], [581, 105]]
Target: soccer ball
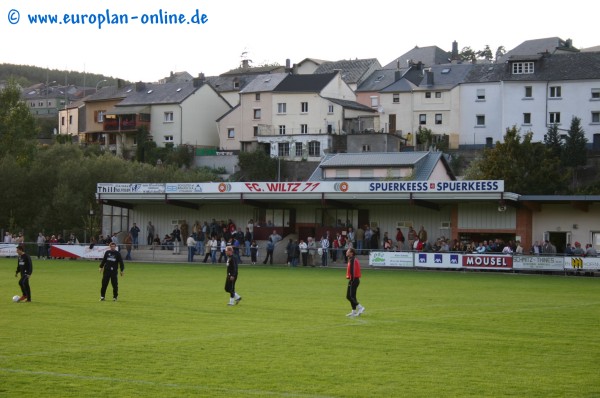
[[16, 299]]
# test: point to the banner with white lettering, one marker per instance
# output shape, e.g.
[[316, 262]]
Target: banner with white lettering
[[78, 251], [8, 250], [487, 261]]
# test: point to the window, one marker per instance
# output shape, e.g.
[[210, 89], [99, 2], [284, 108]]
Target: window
[[596, 93], [62, 121], [428, 94], [304, 107], [554, 117], [281, 107], [314, 148], [438, 118], [527, 118], [595, 117], [168, 138], [257, 114], [480, 94], [330, 109], [528, 92], [438, 94], [299, 149], [70, 119], [230, 133], [396, 98], [32, 104], [341, 173], [374, 101], [282, 129], [522, 68], [283, 149], [255, 129], [422, 119], [366, 148], [480, 120], [257, 96], [41, 103], [100, 116], [304, 129], [555, 92], [236, 83], [168, 117]]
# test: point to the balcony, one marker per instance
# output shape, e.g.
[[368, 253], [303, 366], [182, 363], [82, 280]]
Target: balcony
[[126, 119]]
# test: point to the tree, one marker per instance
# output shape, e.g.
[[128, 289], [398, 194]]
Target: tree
[[553, 141], [17, 125], [526, 167], [575, 153], [467, 54], [258, 166], [500, 51], [486, 53]]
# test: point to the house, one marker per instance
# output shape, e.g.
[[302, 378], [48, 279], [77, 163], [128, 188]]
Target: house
[[531, 92], [294, 116], [71, 119], [307, 66], [230, 83], [550, 45], [96, 106], [174, 114], [428, 56], [353, 72], [414, 166]]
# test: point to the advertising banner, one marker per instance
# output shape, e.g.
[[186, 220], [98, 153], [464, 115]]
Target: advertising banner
[[391, 259], [8, 250], [487, 261], [582, 263], [77, 251], [438, 260], [538, 263]]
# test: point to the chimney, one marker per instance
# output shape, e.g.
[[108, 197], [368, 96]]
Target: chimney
[[199, 81], [245, 64], [288, 64], [140, 86], [120, 83], [397, 75], [454, 56]]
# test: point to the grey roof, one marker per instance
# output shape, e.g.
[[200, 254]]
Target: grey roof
[[262, 83], [447, 76], [549, 67], [305, 83], [111, 93], [177, 77], [255, 70], [380, 79], [401, 86], [351, 104], [168, 93], [429, 56], [226, 83], [353, 71], [537, 46], [422, 162]]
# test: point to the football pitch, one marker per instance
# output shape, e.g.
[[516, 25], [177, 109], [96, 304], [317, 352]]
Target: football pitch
[[172, 334]]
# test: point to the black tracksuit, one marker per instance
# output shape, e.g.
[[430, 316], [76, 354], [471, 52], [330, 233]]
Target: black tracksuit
[[110, 262], [232, 274], [25, 268]]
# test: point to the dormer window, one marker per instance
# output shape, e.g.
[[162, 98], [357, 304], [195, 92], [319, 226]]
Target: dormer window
[[522, 68]]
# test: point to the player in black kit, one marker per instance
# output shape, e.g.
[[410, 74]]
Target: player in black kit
[[110, 263], [25, 268], [232, 274]]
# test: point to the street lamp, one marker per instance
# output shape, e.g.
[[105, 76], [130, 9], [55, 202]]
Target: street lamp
[[101, 81], [91, 225]]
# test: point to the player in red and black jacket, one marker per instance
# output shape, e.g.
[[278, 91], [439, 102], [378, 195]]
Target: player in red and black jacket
[[111, 262], [353, 275], [25, 268]]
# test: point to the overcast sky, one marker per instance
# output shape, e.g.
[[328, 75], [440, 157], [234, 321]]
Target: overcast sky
[[270, 31]]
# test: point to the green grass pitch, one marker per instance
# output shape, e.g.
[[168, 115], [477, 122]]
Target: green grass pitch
[[171, 334]]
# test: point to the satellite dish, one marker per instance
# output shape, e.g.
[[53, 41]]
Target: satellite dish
[[380, 109]]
